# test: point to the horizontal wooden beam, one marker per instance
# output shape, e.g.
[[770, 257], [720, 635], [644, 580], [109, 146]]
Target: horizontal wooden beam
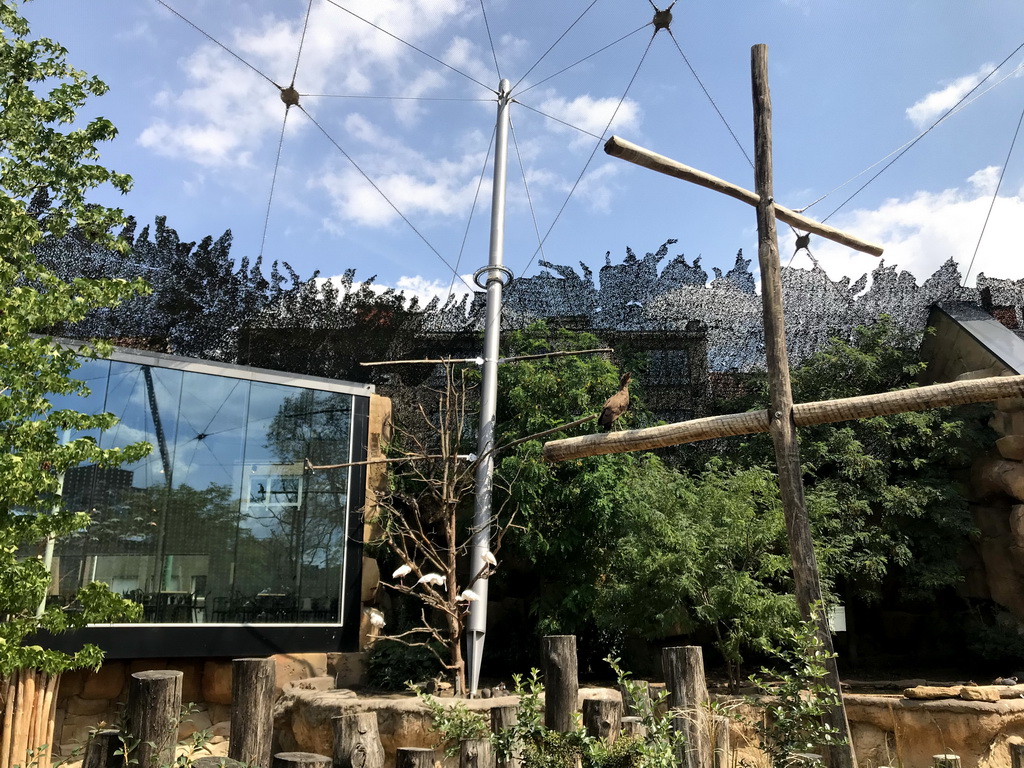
[[630, 152], [804, 415]]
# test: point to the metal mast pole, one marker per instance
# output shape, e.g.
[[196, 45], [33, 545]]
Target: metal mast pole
[[496, 275]]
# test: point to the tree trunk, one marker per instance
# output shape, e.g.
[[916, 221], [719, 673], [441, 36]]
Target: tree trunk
[[639, 701], [300, 760], [99, 752], [602, 719], [357, 741], [561, 681], [252, 721], [476, 753], [506, 717], [151, 717], [414, 757], [688, 692], [634, 726]]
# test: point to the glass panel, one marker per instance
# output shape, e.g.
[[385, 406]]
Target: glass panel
[[221, 523]]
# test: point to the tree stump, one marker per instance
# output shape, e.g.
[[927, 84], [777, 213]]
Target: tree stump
[[688, 692], [721, 757], [300, 760], [561, 681], [213, 761], [602, 719], [945, 761], [252, 700], [357, 741], [506, 717], [99, 752], [151, 717], [476, 753], [633, 726], [1017, 756], [637, 702], [415, 757]]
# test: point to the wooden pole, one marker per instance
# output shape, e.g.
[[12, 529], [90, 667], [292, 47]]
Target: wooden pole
[[151, 717], [476, 753], [300, 760], [781, 426], [99, 752], [804, 415], [414, 757], [602, 719], [637, 155], [721, 757], [638, 701], [50, 707], [357, 741], [1017, 756], [7, 734], [561, 681], [634, 727], [506, 717], [252, 700], [683, 667]]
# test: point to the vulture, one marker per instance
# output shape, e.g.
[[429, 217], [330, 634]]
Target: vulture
[[616, 405]]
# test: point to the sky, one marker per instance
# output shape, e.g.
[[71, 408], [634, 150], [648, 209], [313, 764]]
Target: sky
[[400, 188]]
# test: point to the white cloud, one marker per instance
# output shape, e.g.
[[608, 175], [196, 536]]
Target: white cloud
[[927, 109], [922, 231], [592, 115], [422, 288]]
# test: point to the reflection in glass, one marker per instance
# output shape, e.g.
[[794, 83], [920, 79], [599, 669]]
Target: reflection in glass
[[221, 522]]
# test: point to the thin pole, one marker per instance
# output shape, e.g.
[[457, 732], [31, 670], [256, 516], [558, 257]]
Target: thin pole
[[781, 424], [476, 628]]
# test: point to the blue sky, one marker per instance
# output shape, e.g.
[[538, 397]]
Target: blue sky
[[851, 82]]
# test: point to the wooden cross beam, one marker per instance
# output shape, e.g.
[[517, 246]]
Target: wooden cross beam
[[779, 419], [633, 153]]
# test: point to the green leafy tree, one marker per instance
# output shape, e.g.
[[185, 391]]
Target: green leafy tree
[[47, 165]]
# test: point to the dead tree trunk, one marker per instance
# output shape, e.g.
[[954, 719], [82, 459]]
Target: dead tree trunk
[[151, 717], [252, 724], [414, 757], [688, 692], [357, 741], [602, 719], [561, 681], [476, 753]]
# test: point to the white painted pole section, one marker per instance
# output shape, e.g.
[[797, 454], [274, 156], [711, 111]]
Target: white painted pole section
[[476, 627]]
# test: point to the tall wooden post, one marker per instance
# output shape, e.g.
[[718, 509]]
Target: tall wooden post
[[781, 424], [561, 681], [683, 667], [252, 723], [151, 717]]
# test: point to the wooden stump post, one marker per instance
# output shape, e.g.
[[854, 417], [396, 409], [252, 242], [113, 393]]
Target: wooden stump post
[[300, 760], [561, 681], [688, 691], [476, 753], [99, 752], [506, 717], [637, 702], [151, 717], [946, 761], [357, 741], [721, 757], [29, 700], [252, 701], [415, 757], [634, 726], [602, 718]]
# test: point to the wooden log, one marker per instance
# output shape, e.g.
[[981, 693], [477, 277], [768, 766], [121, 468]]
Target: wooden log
[[632, 153], [50, 710], [782, 427], [299, 760], [252, 723], [804, 415], [26, 683], [101, 748], [476, 753], [721, 757], [633, 726], [945, 761], [602, 719], [683, 667], [636, 698], [357, 741], [503, 718], [7, 740], [561, 681], [151, 717], [415, 757]]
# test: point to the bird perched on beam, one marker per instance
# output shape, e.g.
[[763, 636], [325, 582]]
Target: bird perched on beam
[[616, 405]]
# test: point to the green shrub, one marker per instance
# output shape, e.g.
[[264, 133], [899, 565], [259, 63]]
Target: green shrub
[[391, 665]]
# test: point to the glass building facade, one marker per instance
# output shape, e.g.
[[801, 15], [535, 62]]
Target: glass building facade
[[223, 523]]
